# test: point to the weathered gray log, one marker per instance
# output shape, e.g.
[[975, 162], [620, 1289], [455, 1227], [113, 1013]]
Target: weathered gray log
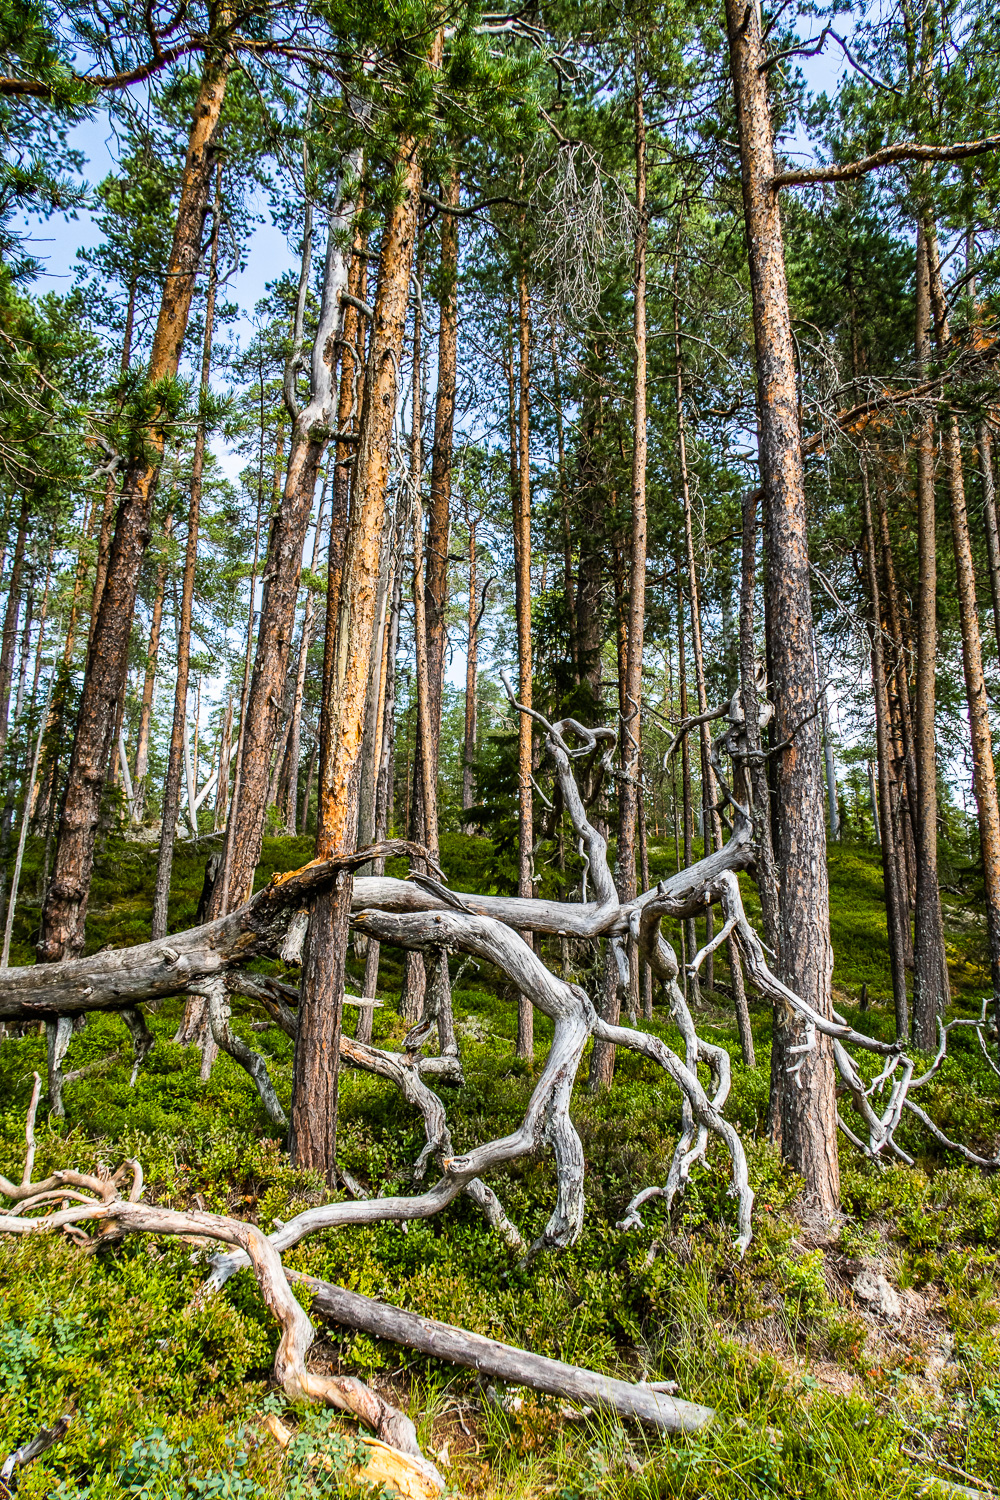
[[501, 1361], [123, 977], [679, 896]]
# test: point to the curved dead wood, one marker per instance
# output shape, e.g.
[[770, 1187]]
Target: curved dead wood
[[89, 1199]]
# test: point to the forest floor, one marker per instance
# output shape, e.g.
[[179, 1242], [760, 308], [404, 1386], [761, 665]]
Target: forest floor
[[863, 1364]]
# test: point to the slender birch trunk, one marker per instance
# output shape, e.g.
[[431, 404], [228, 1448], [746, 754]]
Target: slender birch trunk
[[8, 642]]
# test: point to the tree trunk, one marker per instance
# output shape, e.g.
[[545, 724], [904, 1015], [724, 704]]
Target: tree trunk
[[892, 875], [985, 786], [305, 641], [687, 811], [178, 732], [525, 1044], [383, 793], [225, 751], [984, 774], [471, 679], [831, 774], [103, 554], [602, 1064], [350, 631], [427, 778], [439, 510], [567, 531], [310, 436], [424, 823], [808, 1103], [711, 829], [149, 679], [899, 646], [64, 912], [984, 444], [931, 987], [9, 639], [234, 801]]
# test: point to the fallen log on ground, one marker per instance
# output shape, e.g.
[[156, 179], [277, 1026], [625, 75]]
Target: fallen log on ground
[[121, 978], [501, 1361]]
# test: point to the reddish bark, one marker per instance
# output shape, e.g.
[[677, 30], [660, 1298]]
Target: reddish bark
[[350, 627], [808, 1103], [64, 912], [439, 509]]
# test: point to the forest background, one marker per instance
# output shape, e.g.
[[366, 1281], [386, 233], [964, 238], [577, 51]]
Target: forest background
[[550, 385]]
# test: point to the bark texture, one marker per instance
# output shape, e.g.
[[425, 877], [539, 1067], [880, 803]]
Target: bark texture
[[522, 561], [350, 634], [64, 912], [808, 1104], [630, 786], [931, 988], [312, 426]]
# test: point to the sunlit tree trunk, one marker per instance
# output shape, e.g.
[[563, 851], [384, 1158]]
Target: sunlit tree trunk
[[350, 629], [808, 1103], [64, 912], [149, 678], [172, 784], [311, 430], [439, 509], [931, 987], [525, 1045]]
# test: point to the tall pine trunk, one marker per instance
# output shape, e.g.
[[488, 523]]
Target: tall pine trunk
[[311, 430], [807, 1100], [439, 509], [175, 758], [525, 1043], [149, 679], [471, 676], [895, 890], [350, 629], [931, 988], [630, 730], [984, 773], [65, 909]]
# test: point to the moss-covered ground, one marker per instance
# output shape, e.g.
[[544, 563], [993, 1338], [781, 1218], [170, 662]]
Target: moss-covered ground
[[817, 1393]]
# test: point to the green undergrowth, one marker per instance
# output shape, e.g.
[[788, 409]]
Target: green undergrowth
[[815, 1395]]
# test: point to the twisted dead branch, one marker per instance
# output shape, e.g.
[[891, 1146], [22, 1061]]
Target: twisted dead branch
[[424, 915]]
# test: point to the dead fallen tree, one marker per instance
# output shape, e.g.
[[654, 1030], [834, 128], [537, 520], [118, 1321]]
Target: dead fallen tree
[[424, 915], [641, 1403]]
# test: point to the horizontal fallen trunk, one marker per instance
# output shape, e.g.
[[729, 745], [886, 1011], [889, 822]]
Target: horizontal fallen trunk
[[121, 978], [501, 1361]]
